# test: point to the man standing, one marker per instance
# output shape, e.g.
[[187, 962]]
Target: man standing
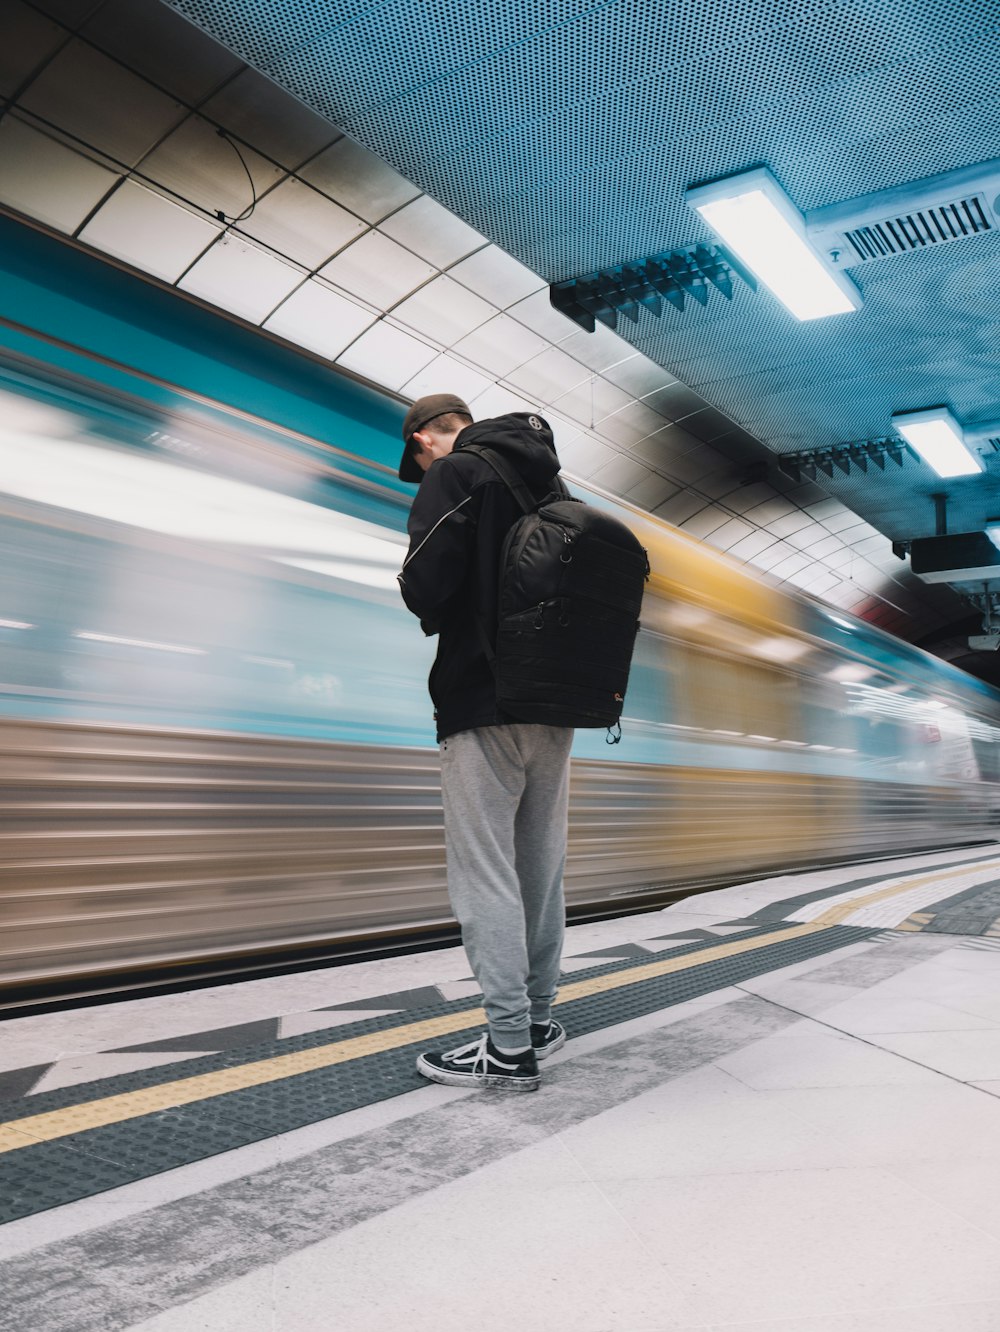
[[504, 783]]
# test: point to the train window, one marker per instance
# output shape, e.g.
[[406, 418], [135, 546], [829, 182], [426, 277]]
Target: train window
[[731, 695]]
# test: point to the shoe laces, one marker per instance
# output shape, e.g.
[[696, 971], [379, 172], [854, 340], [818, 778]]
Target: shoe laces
[[480, 1065]]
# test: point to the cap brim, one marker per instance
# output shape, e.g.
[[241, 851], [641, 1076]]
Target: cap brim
[[408, 468]]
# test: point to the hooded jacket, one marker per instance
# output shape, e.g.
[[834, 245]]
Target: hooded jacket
[[450, 577]]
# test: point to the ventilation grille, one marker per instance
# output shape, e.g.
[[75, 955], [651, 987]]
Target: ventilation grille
[[915, 230]]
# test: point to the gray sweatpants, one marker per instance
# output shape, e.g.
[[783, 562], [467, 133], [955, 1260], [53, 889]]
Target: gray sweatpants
[[506, 793]]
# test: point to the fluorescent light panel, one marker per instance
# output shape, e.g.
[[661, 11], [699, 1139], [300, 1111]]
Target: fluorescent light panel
[[756, 220], [937, 437]]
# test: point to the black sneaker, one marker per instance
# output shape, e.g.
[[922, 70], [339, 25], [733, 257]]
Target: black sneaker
[[547, 1037], [480, 1064]]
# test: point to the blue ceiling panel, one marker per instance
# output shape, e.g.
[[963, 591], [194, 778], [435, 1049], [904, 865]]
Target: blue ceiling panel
[[568, 132]]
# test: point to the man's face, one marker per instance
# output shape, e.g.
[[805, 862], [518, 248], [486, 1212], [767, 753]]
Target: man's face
[[430, 445]]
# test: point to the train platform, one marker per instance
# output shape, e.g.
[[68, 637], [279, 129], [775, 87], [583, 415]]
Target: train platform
[[779, 1108]]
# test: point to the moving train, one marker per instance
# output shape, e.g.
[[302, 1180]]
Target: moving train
[[215, 736]]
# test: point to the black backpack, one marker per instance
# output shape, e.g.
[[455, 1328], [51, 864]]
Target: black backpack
[[571, 584]]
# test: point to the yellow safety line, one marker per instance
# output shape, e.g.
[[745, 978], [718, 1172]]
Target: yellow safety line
[[54, 1124], [836, 915]]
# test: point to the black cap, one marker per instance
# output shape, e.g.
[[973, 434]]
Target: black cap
[[422, 411]]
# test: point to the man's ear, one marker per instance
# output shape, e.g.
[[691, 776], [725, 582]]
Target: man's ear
[[421, 438]]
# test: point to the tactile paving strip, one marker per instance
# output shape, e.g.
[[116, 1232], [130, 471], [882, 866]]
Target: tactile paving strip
[[40, 1175]]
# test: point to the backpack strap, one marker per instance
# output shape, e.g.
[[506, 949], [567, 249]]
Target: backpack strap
[[528, 504], [511, 480]]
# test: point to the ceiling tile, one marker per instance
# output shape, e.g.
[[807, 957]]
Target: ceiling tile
[[823, 549], [536, 313], [387, 356], [841, 559], [269, 119], [446, 375], [620, 474], [841, 519], [664, 444], [680, 507], [496, 276], [674, 401], [149, 231], [638, 375], [548, 375], [157, 43], [824, 509], [378, 270], [497, 400], [705, 522], [241, 278], [872, 545], [563, 429], [359, 180], [705, 463], [591, 401], [28, 39], [83, 91], [751, 545], [745, 498], [651, 492], [320, 319], [197, 165], [790, 565], [45, 179], [443, 311], [302, 224], [770, 511], [771, 555], [805, 494], [784, 526], [806, 537], [707, 424], [726, 536], [632, 424], [596, 350], [500, 346], [429, 230], [585, 455], [69, 12]]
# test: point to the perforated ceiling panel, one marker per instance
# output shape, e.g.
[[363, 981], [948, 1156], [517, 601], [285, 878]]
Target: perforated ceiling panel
[[567, 132]]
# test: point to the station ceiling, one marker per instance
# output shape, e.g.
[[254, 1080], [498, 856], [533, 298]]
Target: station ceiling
[[468, 154]]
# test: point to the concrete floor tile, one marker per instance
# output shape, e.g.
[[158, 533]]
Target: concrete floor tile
[[808, 1055], [874, 1126], [970, 1187], [928, 1318], [461, 1251], [834, 1241], [967, 1055], [872, 1012], [243, 1305], [703, 1123], [808, 997]]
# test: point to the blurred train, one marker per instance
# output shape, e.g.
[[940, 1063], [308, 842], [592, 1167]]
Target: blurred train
[[215, 736]]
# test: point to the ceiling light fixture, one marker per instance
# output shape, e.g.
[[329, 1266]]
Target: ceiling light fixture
[[757, 221], [938, 438]]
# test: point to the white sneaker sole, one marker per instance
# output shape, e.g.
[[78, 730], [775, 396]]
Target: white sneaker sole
[[498, 1080], [557, 1044]]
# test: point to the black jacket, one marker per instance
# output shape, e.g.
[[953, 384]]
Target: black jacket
[[460, 517]]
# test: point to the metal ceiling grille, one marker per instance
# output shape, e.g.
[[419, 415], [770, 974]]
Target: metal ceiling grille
[[915, 231], [671, 277]]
